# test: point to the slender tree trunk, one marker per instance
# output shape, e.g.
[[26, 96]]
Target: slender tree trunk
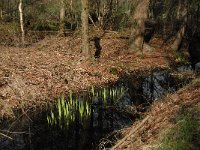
[[1, 13], [1, 10], [180, 34], [62, 17], [71, 5], [85, 38], [178, 14], [71, 9], [139, 18], [98, 11], [21, 22], [116, 5]]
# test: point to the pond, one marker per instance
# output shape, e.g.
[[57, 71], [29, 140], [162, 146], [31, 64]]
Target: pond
[[83, 121]]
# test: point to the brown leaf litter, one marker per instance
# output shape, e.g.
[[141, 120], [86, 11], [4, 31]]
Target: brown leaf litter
[[36, 75], [159, 116]]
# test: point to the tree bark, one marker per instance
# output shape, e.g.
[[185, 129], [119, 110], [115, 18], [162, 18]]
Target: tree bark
[[85, 38], [21, 22], [138, 29], [180, 34], [62, 18]]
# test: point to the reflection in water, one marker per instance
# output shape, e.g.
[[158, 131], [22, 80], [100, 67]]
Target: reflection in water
[[185, 68], [157, 84], [80, 121], [161, 82]]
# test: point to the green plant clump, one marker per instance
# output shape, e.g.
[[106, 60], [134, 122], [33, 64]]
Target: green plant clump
[[186, 133], [67, 112], [113, 71], [182, 58]]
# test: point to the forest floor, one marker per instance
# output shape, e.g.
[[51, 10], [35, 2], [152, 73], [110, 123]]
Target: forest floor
[[35, 76], [38, 74]]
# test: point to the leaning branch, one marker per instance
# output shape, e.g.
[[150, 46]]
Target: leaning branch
[[131, 133]]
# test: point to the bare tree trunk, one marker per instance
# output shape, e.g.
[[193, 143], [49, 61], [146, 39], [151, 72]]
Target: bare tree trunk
[[139, 18], [71, 9], [85, 38], [180, 34], [71, 5], [116, 5], [62, 18], [1, 14], [21, 22], [178, 14]]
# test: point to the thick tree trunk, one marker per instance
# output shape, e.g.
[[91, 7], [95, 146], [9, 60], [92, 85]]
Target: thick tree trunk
[[180, 34], [62, 18], [139, 17], [85, 38], [21, 22]]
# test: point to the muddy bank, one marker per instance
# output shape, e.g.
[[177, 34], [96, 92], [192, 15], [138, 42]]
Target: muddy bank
[[36, 75]]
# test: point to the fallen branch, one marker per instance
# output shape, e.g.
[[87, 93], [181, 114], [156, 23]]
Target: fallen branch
[[6, 136], [131, 132], [13, 132], [90, 17]]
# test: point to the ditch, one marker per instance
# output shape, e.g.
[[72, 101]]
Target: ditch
[[85, 120]]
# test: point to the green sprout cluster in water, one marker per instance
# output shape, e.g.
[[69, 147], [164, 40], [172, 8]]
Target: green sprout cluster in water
[[114, 94], [69, 111]]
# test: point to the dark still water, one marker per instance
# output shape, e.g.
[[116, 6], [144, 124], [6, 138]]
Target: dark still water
[[83, 121]]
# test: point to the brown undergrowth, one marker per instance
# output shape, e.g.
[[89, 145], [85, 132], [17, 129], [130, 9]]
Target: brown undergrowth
[[146, 133], [34, 76]]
